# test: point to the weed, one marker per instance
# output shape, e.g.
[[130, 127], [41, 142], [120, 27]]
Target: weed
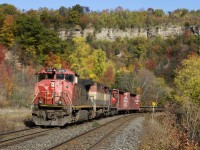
[[95, 124]]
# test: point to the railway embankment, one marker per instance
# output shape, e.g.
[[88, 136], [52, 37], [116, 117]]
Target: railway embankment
[[146, 131], [59, 136]]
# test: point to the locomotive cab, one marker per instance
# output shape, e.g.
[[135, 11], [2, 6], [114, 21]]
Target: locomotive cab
[[58, 76]]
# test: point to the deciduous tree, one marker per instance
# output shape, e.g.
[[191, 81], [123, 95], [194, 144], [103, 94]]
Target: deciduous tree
[[108, 77], [99, 62], [188, 79], [80, 58], [6, 32]]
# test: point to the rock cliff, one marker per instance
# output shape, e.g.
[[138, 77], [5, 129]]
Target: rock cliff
[[112, 34]]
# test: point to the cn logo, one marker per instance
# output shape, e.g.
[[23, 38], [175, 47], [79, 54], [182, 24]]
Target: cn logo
[[125, 97], [137, 99], [52, 84]]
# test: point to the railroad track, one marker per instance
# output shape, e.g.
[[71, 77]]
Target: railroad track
[[15, 137], [94, 138]]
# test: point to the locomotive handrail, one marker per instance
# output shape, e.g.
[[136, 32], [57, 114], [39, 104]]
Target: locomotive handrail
[[35, 97], [69, 99], [70, 103]]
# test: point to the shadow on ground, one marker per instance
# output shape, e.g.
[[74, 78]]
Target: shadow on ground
[[29, 123]]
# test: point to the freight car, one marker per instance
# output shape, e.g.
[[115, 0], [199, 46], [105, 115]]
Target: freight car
[[61, 97], [124, 102]]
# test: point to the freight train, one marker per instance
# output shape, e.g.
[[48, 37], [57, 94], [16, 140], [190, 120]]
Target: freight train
[[61, 97]]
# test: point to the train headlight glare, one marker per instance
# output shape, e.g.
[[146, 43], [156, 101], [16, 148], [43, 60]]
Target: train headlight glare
[[59, 102], [40, 101]]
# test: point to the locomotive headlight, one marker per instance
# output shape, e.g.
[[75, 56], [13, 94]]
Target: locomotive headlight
[[40, 101], [59, 102]]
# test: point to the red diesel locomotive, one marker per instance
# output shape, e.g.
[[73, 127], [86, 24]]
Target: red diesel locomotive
[[60, 97]]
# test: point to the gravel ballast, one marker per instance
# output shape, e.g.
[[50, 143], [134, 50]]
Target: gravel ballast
[[127, 138], [58, 136]]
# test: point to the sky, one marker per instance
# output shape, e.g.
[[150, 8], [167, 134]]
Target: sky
[[98, 5]]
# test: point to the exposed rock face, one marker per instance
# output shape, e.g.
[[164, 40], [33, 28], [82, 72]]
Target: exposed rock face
[[112, 34], [164, 32]]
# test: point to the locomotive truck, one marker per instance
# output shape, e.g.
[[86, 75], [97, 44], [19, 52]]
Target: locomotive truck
[[61, 97]]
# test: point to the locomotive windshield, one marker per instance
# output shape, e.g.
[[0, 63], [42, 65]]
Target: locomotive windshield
[[50, 76], [69, 77], [60, 76], [42, 76]]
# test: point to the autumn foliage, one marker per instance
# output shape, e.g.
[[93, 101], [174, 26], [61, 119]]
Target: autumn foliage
[[2, 53], [156, 68]]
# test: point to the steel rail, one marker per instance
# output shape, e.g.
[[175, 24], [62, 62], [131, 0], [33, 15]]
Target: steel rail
[[62, 145], [105, 137], [9, 139]]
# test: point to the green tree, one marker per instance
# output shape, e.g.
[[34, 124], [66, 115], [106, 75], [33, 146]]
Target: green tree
[[197, 41], [187, 79], [35, 40], [138, 47], [74, 17], [45, 18], [75, 13], [8, 9], [158, 12], [29, 32], [63, 11], [78, 8]]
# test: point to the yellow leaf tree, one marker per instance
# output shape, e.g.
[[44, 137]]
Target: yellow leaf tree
[[188, 79], [80, 59], [98, 64]]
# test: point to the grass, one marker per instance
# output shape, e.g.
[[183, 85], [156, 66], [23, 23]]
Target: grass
[[95, 124], [14, 119], [158, 135], [162, 133]]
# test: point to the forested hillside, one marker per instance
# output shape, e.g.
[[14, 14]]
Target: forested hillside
[[30, 39], [159, 69]]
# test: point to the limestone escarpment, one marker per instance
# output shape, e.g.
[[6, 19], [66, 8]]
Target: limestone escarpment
[[113, 33]]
